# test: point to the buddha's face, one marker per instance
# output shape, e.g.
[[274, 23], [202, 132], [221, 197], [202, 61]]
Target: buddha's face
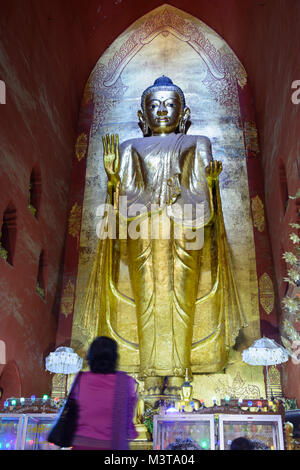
[[186, 392], [163, 111]]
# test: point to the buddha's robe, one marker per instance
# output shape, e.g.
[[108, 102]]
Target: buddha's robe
[[164, 176]]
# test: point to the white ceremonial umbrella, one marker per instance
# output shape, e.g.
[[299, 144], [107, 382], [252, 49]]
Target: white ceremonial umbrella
[[64, 361], [265, 352]]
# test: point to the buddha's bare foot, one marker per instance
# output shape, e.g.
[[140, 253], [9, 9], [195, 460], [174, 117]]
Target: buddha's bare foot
[[174, 385]]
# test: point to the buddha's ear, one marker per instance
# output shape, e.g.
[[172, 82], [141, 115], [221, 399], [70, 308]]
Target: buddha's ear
[[143, 123], [183, 120]]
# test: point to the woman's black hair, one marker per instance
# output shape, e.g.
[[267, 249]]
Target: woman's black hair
[[102, 355], [241, 443]]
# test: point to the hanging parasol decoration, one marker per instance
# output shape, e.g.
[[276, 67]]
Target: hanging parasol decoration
[[265, 352], [64, 361]]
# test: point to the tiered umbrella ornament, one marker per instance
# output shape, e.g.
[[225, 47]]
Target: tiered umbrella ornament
[[64, 361], [265, 352]]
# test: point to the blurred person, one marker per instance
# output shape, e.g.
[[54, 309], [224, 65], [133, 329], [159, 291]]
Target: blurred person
[[241, 443], [106, 401]]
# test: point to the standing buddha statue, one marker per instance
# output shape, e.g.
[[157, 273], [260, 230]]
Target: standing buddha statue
[[162, 174]]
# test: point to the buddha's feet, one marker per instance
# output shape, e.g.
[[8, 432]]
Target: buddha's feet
[[153, 385], [173, 385]]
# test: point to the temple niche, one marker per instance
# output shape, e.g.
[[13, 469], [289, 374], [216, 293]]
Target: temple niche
[[169, 42]]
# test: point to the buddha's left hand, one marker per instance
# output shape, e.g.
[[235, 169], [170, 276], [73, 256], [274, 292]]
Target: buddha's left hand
[[213, 170]]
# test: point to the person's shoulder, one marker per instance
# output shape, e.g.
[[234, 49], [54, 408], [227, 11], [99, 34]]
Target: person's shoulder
[[124, 374], [83, 374], [89, 375], [121, 372]]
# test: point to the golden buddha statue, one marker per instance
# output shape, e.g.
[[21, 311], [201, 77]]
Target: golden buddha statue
[[171, 177], [187, 403]]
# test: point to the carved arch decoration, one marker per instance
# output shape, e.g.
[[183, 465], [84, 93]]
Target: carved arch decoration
[[224, 71]]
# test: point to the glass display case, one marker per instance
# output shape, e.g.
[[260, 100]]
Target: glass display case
[[26, 431], [265, 429], [10, 431], [191, 431], [36, 428]]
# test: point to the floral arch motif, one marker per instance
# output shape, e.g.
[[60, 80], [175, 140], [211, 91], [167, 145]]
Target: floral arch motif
[[224, 70]]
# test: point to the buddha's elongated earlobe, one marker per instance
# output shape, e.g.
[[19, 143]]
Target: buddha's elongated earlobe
[[183, 121], [143, 123]]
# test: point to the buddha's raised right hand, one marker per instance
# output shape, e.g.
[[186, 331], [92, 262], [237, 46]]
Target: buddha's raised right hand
[[111, 160]]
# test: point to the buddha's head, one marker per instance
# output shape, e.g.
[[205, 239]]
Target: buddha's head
[[163, 108]]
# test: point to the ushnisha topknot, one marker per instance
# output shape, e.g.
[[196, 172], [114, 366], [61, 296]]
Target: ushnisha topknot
[[163, 83]]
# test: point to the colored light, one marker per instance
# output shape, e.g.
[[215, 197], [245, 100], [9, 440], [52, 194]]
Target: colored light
[[259, 404], [13, 402], [227, 398], [45, 397], [171, 409], [7, 445], [22, 400], [204, 444], [249, 403], [6, 404], [32, 397]]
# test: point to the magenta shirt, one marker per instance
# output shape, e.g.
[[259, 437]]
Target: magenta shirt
[[95, 402]]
